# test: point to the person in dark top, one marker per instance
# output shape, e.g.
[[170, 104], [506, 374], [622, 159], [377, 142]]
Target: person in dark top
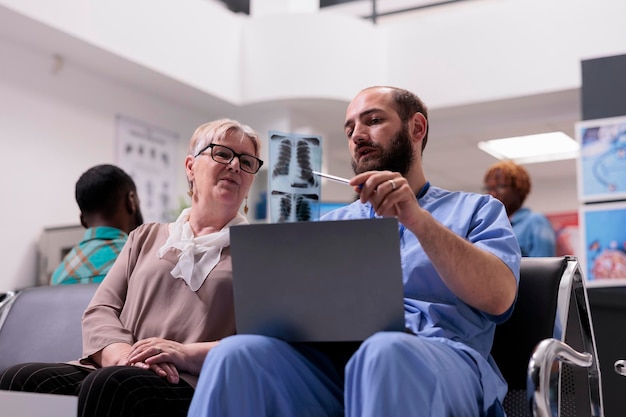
[[109, 210]]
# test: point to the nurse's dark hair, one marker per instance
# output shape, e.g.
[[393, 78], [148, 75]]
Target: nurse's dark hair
[[407, 104]]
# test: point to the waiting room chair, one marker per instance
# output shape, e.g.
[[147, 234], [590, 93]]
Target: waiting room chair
[[546, 350], [43, 323]]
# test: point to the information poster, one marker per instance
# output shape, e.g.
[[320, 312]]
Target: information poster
[[602, 161], [149, 155], [604, 227], [567, 233]]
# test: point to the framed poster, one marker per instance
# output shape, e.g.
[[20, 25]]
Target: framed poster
[[566, 229], [602, 162], [149, 155], [604, 243]]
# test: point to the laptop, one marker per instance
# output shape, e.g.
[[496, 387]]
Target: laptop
[[322, 281]]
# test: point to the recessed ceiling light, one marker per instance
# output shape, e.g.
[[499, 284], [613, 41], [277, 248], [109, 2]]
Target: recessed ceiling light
[[542, 147]]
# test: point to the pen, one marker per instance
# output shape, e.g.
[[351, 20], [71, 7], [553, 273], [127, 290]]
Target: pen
[[332, 177]]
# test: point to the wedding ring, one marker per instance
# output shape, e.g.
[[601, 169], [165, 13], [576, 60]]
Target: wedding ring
[[158, 350], [393, 184]]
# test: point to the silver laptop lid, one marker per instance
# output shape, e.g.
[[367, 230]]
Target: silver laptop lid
[[318, 281]]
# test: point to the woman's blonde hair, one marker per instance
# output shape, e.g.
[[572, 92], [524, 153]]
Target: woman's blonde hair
[[217, 130]]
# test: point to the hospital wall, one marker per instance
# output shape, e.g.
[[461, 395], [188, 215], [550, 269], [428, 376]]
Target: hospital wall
[[58, 118]]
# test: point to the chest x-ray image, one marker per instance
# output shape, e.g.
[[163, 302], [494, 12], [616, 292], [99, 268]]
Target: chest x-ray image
[[294, 190]]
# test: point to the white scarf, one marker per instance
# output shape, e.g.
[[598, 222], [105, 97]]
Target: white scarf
[[207, 247]]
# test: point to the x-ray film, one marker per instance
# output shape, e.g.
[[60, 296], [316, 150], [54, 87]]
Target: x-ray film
[[294, 190]]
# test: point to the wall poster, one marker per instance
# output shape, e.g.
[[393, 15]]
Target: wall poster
[[566, 229], [149, 155], [602, 162], [604, 242]]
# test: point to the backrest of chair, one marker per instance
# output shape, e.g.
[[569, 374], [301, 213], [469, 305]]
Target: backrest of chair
[[532, 320], [585, 390], [43, 324], [608, 309], [552, 303]]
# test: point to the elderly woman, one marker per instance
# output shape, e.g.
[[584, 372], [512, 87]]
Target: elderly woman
[[167, 300]]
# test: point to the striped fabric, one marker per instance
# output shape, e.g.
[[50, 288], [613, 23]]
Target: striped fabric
[[112, 391], [92, 258]]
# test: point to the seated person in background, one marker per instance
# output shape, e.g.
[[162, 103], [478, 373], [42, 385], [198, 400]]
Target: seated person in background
[[460, 262], [168, 298], [109, 210], [510, 183]]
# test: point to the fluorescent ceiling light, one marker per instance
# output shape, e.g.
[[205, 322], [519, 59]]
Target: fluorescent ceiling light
[[543, 147]]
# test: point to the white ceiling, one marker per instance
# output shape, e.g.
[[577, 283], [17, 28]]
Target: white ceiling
[[452, 159], [455, 132]]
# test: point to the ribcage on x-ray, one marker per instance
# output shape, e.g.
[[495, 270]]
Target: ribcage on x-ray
[[285, 208], [284, 159], [295, 207], [298, 168], [303, 209], [303, 156]]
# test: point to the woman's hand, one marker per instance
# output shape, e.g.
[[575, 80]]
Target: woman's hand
[[166, 357], [113, 355], [158, 355]]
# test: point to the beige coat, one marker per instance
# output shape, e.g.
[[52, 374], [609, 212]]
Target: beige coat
[[139, 299]]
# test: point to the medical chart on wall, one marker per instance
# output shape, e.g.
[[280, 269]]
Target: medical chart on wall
[[294, 191], [604, 242], [601, 174], [602, 161], [567, 233], [149, 155]]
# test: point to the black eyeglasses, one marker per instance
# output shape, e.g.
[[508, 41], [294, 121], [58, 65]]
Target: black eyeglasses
[[224, 155]]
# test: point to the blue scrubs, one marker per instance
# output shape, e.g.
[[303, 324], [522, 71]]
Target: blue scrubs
[[445, 369], [534, 232]]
